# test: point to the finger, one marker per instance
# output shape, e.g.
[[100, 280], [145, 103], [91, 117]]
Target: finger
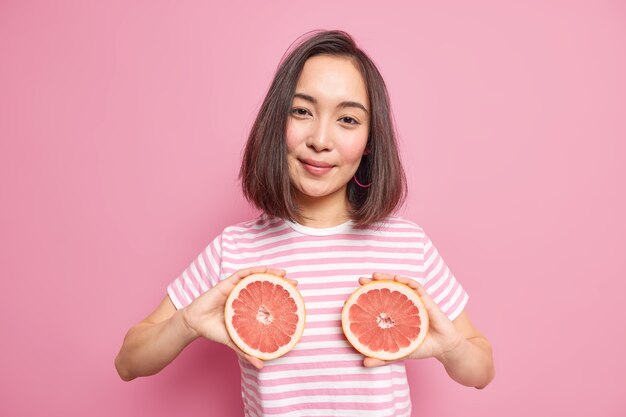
[[256, 362], [408, 281], [277, 272], [373, 362], [382, 275], [281, 273], [292, 281], [436, 316], [429, 303], [258, 270], [364, 280], [433, 309], [242, 273], [404, 280], [225, 286]]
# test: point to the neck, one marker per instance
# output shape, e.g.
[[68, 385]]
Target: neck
[[323, 212]]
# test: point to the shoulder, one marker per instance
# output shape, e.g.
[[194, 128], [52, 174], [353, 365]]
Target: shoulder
[[398, 224], [253, 227]]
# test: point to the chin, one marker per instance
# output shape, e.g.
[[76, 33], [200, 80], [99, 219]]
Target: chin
[[315, 192]]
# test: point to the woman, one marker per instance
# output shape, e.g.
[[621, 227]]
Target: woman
[[322, 164]]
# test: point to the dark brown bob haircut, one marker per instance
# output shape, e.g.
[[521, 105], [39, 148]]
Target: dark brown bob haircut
[[264, 170]]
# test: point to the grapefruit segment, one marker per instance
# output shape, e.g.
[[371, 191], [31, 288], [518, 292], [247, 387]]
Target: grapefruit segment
[[264, 316], [385, 320]]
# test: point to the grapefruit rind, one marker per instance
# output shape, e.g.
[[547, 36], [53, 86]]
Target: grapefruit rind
[[382, 354], [229, 313]]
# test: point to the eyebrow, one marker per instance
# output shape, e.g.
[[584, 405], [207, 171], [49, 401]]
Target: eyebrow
[[342, 104]]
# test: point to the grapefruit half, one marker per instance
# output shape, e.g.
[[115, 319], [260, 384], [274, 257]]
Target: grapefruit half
[[385, 320], [264, 315]]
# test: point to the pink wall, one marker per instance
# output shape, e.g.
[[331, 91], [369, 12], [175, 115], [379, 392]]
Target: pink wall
[[121, 128]]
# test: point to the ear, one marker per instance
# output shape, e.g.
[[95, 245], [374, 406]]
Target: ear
[[366, 151]]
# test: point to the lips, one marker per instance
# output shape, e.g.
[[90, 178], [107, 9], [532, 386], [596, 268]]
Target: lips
[[316, 167]]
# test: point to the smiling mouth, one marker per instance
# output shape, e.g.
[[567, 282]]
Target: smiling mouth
[[317, 164], [315, 167]]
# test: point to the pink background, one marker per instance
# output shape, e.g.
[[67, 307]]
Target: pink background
[[121, 128]]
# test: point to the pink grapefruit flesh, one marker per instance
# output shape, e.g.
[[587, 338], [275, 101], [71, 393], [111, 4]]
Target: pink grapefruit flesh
[[264, 316], [385, 319]]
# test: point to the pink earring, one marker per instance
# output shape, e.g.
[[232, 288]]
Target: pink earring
[[365, 153], [359, 184]]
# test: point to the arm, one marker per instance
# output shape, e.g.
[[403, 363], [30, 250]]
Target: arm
[[464, 352], [469, 361], [153, 343]]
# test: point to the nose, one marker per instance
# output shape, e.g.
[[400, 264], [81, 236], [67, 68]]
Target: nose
[[320, 136]]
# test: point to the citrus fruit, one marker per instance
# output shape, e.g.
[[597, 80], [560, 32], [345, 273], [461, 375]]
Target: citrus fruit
[[264, 315], [385, 320]]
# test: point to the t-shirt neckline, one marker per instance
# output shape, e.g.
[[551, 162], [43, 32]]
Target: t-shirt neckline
[[320, 231]]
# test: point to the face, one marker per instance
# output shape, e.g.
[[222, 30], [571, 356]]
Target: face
[[327, 128]]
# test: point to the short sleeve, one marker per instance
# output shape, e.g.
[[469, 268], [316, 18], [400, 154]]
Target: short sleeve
[[441, 284], [202, 274]]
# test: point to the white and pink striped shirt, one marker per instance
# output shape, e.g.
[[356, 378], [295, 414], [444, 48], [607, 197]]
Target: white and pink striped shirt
[[323, 375]]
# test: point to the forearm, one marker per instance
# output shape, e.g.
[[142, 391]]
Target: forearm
[[470, 363], [148, 347]]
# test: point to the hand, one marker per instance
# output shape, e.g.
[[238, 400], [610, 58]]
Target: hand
[[205, 315], [442, 336]]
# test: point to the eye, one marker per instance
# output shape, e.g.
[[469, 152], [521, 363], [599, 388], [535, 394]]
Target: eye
[[349, 120], [299, 111]]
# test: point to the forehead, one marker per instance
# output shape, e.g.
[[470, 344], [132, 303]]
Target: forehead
[[333, 78]]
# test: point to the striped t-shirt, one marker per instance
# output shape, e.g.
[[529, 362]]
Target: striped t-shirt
[[323, 375]]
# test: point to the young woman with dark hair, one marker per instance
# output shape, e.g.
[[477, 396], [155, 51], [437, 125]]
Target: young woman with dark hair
[[264, 171], [322, 164]]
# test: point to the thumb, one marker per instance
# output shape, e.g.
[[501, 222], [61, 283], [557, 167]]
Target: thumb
[[373, 362], [433, 310], [256, 362]]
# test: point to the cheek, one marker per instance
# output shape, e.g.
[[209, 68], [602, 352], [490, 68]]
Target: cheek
[[292, 136], [354, 148]]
